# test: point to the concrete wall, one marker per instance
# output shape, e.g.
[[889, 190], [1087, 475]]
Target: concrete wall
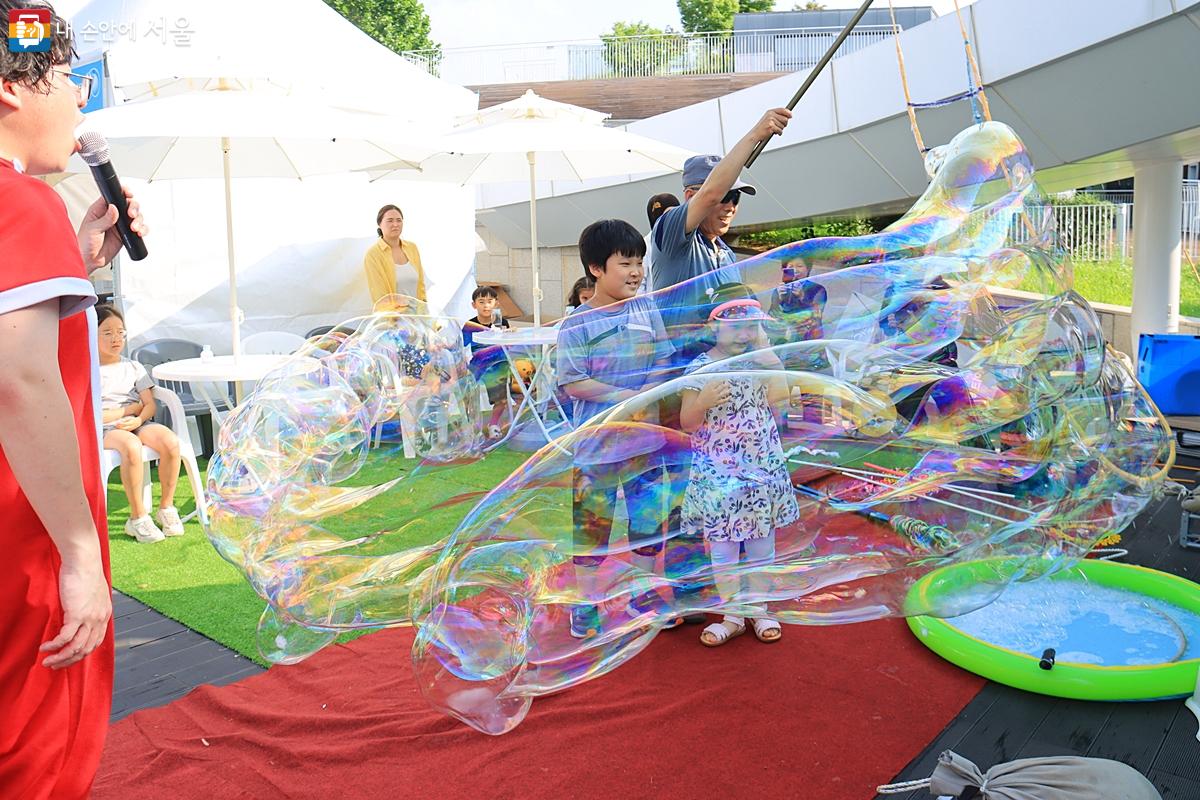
[[559, 267], [1114, 321]]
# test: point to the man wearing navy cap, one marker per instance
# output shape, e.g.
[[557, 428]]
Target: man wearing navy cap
[[687, 239]]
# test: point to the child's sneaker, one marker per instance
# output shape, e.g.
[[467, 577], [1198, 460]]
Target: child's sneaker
[[143, 529], [651, 606], [169, 521], [585, 621]]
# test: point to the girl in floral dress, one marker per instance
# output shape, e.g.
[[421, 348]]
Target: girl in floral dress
[[739, 491]]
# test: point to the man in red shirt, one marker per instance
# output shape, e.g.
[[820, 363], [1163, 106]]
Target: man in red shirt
[[56, 661]]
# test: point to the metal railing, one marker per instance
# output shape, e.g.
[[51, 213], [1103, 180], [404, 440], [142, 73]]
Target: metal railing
[[1104, 231], [1191, 219], [1093, 232], [671, 53]]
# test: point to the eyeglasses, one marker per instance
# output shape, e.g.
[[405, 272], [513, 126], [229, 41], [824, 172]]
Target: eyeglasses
[[83, 83], [112, 336]]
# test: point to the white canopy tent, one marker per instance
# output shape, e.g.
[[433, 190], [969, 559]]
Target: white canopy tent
[[296, 45], [299, 244], [247, 134], [534, 137]]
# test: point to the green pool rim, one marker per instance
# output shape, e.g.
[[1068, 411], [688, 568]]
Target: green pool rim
[[1075, 681]]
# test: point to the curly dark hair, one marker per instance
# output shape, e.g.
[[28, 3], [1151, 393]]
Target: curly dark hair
[[33, 69]]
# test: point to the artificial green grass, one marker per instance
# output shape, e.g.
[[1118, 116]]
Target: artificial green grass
[[185, 579], [1112, 282]]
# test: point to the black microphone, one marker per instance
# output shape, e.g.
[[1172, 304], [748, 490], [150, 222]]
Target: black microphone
[[93, 149]]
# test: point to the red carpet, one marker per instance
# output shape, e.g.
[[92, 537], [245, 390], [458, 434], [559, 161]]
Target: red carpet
[[827, 714]]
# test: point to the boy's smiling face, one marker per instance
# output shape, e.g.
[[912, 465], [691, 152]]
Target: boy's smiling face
[[485, 306], [620, 278]]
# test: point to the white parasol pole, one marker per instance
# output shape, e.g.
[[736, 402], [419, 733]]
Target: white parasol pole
[[234, 312], [537, 285]]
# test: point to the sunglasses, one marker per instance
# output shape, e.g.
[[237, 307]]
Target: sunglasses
[[732, 196]]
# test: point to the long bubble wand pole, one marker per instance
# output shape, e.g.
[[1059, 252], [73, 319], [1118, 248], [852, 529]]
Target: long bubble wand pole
[[812, 75]]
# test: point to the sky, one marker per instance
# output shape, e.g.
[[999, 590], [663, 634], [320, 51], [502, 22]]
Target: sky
[[471, 23]]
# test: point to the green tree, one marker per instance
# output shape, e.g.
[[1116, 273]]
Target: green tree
[[811, 5], [708, 16], [635, 49], [397, 24], [717, 15]]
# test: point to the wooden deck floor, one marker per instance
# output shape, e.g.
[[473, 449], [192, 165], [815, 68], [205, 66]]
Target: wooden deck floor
[[1158, 739], [159, 659]]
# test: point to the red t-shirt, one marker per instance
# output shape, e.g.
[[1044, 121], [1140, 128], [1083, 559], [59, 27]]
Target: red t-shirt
[[52, 722]]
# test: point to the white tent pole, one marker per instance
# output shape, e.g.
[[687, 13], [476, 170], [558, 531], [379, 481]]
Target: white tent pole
[[234, 313], [118, 299], [537, 285]]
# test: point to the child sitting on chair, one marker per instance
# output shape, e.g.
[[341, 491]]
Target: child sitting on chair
[[126, 408], [488, 364], [740, 491]]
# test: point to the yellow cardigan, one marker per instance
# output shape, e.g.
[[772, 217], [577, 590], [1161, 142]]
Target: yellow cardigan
[[381, 270]]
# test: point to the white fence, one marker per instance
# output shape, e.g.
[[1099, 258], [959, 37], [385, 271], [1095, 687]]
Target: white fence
[[1191, 219], [780, 50], [1104, 231]]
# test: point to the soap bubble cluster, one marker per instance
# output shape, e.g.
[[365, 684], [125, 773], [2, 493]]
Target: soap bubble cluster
[[871, 407]]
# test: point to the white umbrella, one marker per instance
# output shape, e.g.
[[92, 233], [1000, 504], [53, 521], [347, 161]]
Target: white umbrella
[[298, 45], [542, 139], [236, 134]]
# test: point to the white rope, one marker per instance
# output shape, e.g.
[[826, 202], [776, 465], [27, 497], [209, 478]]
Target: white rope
[[1109, 553], [906, 786], [953, 487], [931, 498]]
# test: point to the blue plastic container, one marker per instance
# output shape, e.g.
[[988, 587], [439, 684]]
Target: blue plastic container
[[1169, 369]]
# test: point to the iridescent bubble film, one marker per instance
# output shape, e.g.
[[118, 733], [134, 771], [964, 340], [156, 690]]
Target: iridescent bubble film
[[800, 436]]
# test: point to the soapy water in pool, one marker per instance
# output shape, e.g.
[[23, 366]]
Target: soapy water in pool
[[1086, 624]]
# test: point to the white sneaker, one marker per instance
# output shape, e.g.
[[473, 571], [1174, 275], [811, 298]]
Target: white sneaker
[[143, 529], [169, 521]]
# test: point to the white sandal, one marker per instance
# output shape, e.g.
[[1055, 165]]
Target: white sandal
[[767, 631], [721, 632]]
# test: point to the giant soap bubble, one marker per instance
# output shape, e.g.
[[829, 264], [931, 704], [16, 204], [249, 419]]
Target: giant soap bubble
[[866, 406]]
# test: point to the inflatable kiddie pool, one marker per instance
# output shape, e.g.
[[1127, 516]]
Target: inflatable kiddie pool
[[1117, 631]]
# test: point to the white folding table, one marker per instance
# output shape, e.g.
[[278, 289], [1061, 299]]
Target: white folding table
[[220, 369], [535, 345]]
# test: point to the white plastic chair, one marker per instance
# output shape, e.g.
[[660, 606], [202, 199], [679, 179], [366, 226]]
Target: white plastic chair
[[111, 459], [270, 343]]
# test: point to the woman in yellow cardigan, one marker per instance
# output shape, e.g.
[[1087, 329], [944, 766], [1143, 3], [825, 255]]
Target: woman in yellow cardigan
[[393, 266]]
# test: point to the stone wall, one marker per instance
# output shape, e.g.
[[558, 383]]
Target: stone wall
[[559, 267]]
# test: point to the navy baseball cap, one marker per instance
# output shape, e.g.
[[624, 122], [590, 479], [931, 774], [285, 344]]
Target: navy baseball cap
[[696, 169]]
